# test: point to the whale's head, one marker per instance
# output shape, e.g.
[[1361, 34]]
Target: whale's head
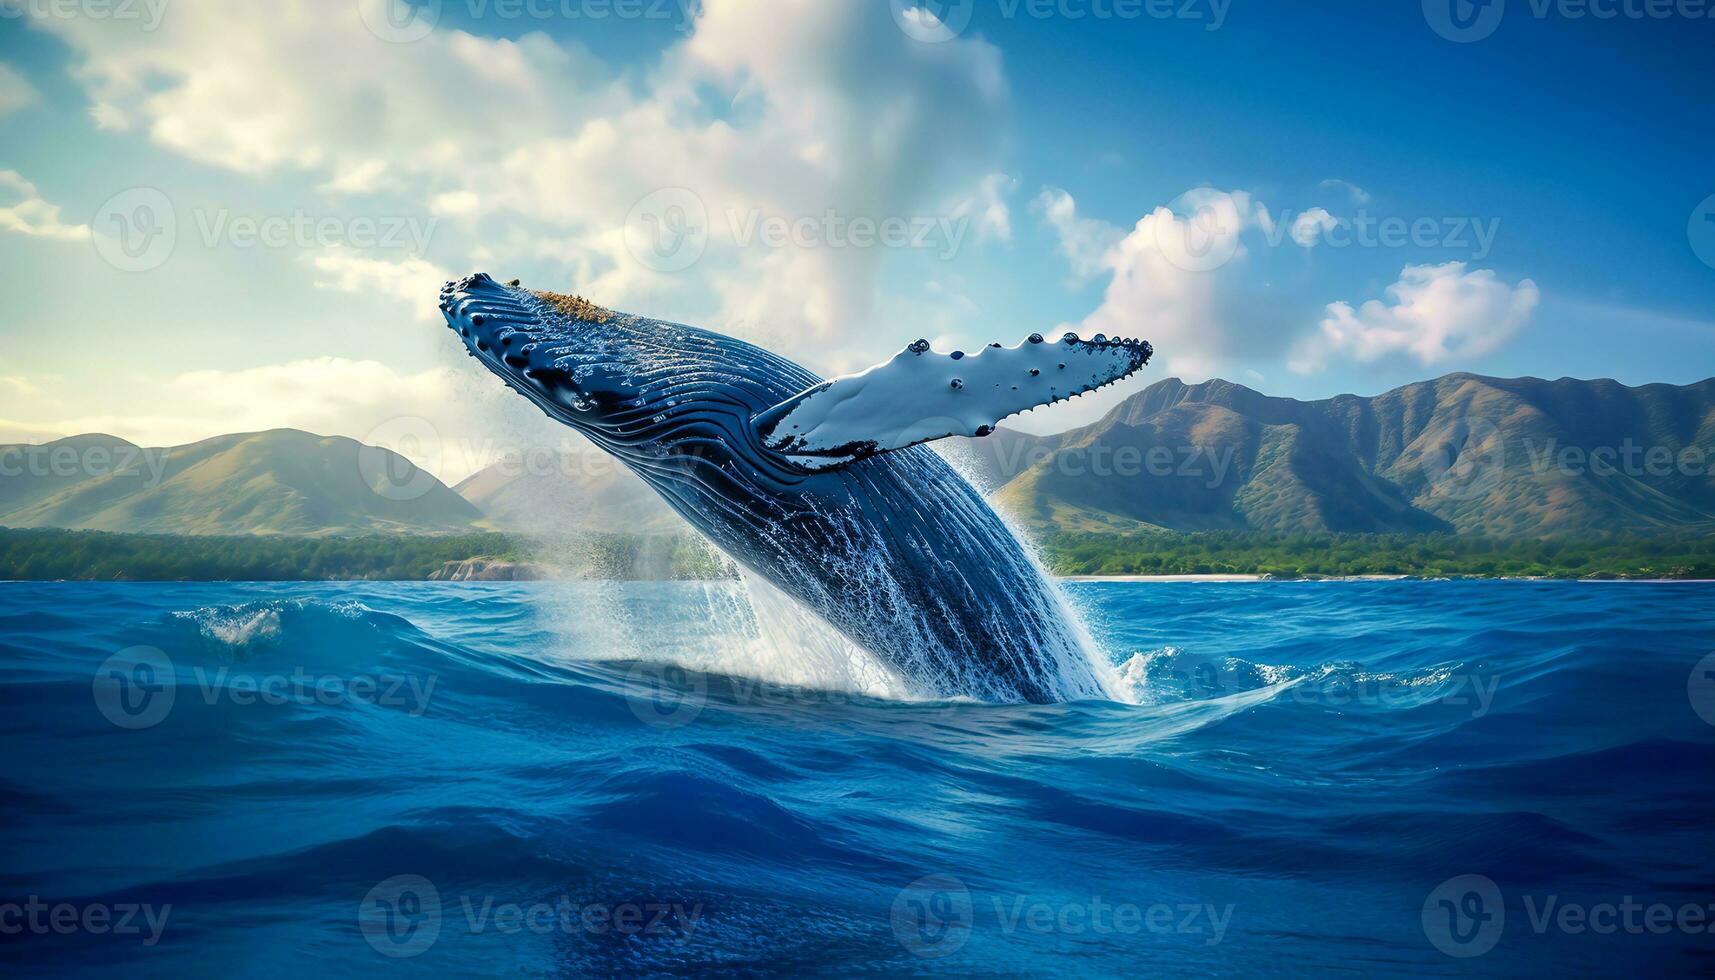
[[554, 349], [613, 376]]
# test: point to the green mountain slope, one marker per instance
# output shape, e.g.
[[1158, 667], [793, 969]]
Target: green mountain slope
[[581, 492], [278, 482], [1462, 453]]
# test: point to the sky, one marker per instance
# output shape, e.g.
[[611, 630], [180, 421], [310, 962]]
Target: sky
[[233, 215]]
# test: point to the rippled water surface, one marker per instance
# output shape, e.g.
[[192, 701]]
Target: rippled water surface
[[485, 779]]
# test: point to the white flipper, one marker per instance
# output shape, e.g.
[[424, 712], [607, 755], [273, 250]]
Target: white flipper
[[920, 395]]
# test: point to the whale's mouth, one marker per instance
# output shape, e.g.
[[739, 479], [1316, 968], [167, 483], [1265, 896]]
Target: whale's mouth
[[524, 336]]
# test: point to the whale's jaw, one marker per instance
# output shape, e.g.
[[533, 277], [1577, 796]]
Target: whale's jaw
[[527, 338]]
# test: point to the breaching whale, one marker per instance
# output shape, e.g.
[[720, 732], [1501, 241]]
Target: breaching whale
[[822, 487]]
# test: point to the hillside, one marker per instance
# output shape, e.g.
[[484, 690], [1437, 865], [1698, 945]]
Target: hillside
[[583, 491], [1463, 454], [278, 482]]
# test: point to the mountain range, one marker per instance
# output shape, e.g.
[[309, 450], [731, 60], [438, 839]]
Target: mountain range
[[1461, 454], [282, 481], [1464, 454]]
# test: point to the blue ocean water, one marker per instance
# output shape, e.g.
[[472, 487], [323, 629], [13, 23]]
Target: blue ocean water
[[493, 779]]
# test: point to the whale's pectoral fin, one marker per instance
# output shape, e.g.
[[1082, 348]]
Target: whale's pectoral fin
[[920, 395]]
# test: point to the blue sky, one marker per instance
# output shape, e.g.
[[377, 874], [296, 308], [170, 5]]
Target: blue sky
[[1220, 176]]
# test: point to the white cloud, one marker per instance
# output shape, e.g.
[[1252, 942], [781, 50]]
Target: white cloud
[[414, 281], [788, 108], [1085, 242], [259, 86], [108, 118], [1434, 313], [16, 92], [455, 204], [358, 178], [30, 215], [1311, 225], [987, 207], [1167, 273], [1357, 194]]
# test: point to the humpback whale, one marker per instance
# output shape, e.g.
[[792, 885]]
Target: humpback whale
[[823, 487]]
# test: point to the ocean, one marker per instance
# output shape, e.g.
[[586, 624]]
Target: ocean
[[545, 779]]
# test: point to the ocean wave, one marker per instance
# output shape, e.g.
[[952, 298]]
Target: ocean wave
[[1317, 757]]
